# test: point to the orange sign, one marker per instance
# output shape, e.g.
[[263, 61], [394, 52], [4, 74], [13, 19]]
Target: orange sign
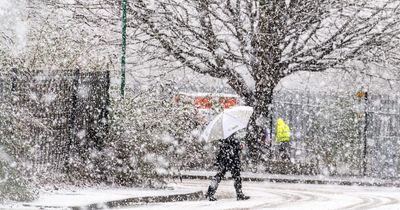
[[361, 94], [203, 102], [207, 102], [227, 102]]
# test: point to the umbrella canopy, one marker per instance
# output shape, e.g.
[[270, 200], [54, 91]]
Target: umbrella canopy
[[227, 123]]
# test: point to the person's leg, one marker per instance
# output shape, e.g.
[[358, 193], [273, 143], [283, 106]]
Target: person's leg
[[214, 185], [238, 184], [281, 150], [286, 153]]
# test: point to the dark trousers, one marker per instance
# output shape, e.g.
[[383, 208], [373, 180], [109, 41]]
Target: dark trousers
[[218, 177], [284, 151]]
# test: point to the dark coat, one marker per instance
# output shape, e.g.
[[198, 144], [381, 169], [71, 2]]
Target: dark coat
[[228, 156]]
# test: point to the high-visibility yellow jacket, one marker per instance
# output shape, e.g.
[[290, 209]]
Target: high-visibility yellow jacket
[[282, 131]]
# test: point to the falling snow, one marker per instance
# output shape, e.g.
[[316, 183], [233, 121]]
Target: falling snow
[[280, 91]]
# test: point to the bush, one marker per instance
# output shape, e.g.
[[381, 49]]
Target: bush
[[13, 186], [13, 142], [150, 137], [335, 139]]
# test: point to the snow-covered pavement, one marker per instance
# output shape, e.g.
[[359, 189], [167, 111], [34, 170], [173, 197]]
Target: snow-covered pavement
[[265, 195], [83, 198]]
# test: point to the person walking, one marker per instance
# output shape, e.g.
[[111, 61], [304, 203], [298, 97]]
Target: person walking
[[228, 159], [283, 139]]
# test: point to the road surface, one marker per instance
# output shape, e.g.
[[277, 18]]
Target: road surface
[[265, 195]]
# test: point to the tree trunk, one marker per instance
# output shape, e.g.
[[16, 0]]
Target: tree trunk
[[268, 70], [259, 120]]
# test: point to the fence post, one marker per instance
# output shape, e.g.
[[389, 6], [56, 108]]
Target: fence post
[[364, 160], [105, 111], [13, 79], [71, 128], [123, 57]]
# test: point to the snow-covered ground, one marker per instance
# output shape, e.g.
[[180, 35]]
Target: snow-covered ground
[[345, 180], [80, 197], [267, 195], [264, 195]]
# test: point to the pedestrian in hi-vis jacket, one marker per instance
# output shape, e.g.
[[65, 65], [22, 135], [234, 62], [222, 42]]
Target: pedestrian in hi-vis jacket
[[228, 159], [283, 139]]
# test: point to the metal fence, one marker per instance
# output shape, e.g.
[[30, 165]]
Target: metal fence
[[68, 111], [383, 135], [379, 127], [72, 106]]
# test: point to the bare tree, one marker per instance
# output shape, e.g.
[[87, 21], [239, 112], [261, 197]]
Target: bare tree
[[254, 44]]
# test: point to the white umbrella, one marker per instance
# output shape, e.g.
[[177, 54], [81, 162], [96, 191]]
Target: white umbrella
[[227, 123]]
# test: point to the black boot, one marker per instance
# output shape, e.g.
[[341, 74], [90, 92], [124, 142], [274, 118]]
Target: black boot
[[242, 197], [210, 194], [212, 189], [238, 187]]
